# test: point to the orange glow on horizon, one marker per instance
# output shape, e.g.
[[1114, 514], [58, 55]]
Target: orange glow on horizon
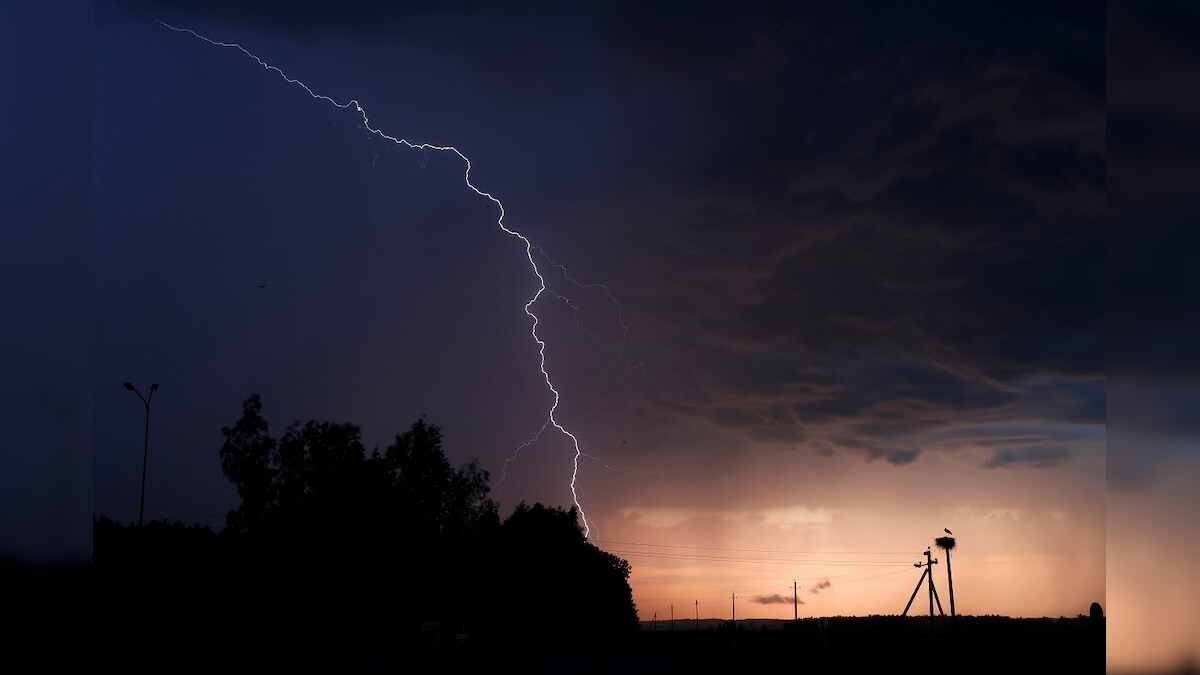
[[1029, 544]]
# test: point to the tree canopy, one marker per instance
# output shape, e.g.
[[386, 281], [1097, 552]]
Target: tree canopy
[[335, 544], [320, 471]]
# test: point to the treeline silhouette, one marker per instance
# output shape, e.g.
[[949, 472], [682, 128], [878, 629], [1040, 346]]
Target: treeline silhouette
[[334, 551]]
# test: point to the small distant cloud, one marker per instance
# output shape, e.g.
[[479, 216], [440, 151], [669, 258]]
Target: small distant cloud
[[1029, 457], [820, 586], [775, 599], [1009, 514], [896, 456], [873, 449]]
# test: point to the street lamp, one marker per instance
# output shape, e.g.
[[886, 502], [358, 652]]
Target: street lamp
[[145, 442]]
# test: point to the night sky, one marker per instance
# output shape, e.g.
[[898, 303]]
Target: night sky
[[852, 261]]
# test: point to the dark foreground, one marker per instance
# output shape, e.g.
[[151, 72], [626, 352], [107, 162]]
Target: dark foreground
[[848, 644], [53, 618]]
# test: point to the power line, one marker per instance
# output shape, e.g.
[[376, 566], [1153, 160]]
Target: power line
[[744, 559], [817, 578], [755, 594], [751, 550], [877, 576]]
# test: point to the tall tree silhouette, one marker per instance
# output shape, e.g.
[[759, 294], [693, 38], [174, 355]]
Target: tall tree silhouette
[[421, 477], [247, 458], [555, 587], [320, 473]]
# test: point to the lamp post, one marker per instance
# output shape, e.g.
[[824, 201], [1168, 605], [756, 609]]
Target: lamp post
[[145, 442]]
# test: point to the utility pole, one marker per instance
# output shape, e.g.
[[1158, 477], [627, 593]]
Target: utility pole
[[950, 578], [672, 618], [697, 603], [795, 602], [927, 565], [933, 594], [733, 599]]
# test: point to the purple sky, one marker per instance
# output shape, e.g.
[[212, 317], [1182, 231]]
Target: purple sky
[[858, 251], [855, 247], [856, 257]]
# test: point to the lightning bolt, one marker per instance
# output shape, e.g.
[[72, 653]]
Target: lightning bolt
[[353, 103]]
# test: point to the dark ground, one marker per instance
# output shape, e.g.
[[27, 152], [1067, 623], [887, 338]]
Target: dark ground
[[850, 645], [53, 619]]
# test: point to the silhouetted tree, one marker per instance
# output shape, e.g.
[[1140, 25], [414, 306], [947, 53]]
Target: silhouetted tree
[[247, 461], [421, 477], [320, 470], [319, 510], [332, 545], [471, 511], [554, 588]]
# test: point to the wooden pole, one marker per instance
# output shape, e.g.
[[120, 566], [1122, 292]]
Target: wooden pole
[[929, 566], [950, 578]]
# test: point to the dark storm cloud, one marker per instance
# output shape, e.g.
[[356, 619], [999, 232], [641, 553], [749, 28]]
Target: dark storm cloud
[[897, 456], [874, 449], [306, 17], [1154, 141], [1032, 457], [849, 228], [528, 47], [775, 599], [936, 259]]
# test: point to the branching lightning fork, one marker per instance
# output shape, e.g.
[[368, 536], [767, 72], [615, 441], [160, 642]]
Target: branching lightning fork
[[533, 438], [353, 103], [629, 365]]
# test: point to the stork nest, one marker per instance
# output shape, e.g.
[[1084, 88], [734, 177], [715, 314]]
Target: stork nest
[[945, 543]]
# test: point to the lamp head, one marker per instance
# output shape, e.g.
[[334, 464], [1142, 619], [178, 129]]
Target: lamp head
[[127, 385]]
